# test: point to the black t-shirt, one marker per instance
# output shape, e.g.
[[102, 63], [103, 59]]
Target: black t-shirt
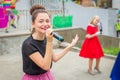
[[29, 47]]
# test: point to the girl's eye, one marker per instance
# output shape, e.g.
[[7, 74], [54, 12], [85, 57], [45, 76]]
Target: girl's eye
[[47, 21], [40, 21]]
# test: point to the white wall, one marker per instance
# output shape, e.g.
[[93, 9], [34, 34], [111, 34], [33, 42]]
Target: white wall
[[23, 5], [82, 16], [116, 4]]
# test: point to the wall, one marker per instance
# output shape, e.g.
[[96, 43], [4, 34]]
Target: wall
[[12, 43], [106, 41], [23, 5], [116, 4], [82, 16]]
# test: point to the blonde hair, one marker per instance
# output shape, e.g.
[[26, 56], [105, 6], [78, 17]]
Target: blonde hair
[[91, 22]]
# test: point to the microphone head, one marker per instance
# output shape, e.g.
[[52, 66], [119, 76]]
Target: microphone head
[[58, 37], [61, 39]]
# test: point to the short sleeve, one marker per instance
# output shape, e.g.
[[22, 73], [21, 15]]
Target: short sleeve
[[28, 48]]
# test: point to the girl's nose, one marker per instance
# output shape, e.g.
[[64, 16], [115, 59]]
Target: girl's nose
[[45, 23]]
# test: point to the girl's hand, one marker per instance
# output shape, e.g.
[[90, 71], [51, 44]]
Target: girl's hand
[[74, 41], [87, 36], [92, 35], [49, 36]]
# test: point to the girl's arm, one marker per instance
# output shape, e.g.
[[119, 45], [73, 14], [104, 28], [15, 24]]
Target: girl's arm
[[44, 62], [92, 35], [59, 55]]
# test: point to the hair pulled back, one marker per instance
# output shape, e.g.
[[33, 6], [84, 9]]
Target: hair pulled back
[[35, 9]]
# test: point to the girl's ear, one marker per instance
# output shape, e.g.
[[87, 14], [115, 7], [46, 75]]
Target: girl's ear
[[32, 23]]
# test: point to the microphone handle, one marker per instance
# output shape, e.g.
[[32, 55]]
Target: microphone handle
[[58, 37]]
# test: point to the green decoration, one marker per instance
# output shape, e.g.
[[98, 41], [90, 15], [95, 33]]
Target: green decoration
[[60, 21]]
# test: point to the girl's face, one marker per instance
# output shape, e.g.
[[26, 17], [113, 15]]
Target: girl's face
[[96, 20], [41, 23]]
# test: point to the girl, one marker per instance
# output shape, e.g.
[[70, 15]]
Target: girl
[[37, 49], [91, 47]]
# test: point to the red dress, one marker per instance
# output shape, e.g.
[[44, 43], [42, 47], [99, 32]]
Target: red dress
[[91, 48]]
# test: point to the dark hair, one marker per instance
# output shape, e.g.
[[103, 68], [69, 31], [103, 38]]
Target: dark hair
[[34, 10]]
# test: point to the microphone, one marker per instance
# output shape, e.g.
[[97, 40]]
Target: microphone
[[100, 26], [58, 37]]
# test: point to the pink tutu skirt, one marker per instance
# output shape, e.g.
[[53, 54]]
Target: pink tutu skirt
[[46, 76]]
